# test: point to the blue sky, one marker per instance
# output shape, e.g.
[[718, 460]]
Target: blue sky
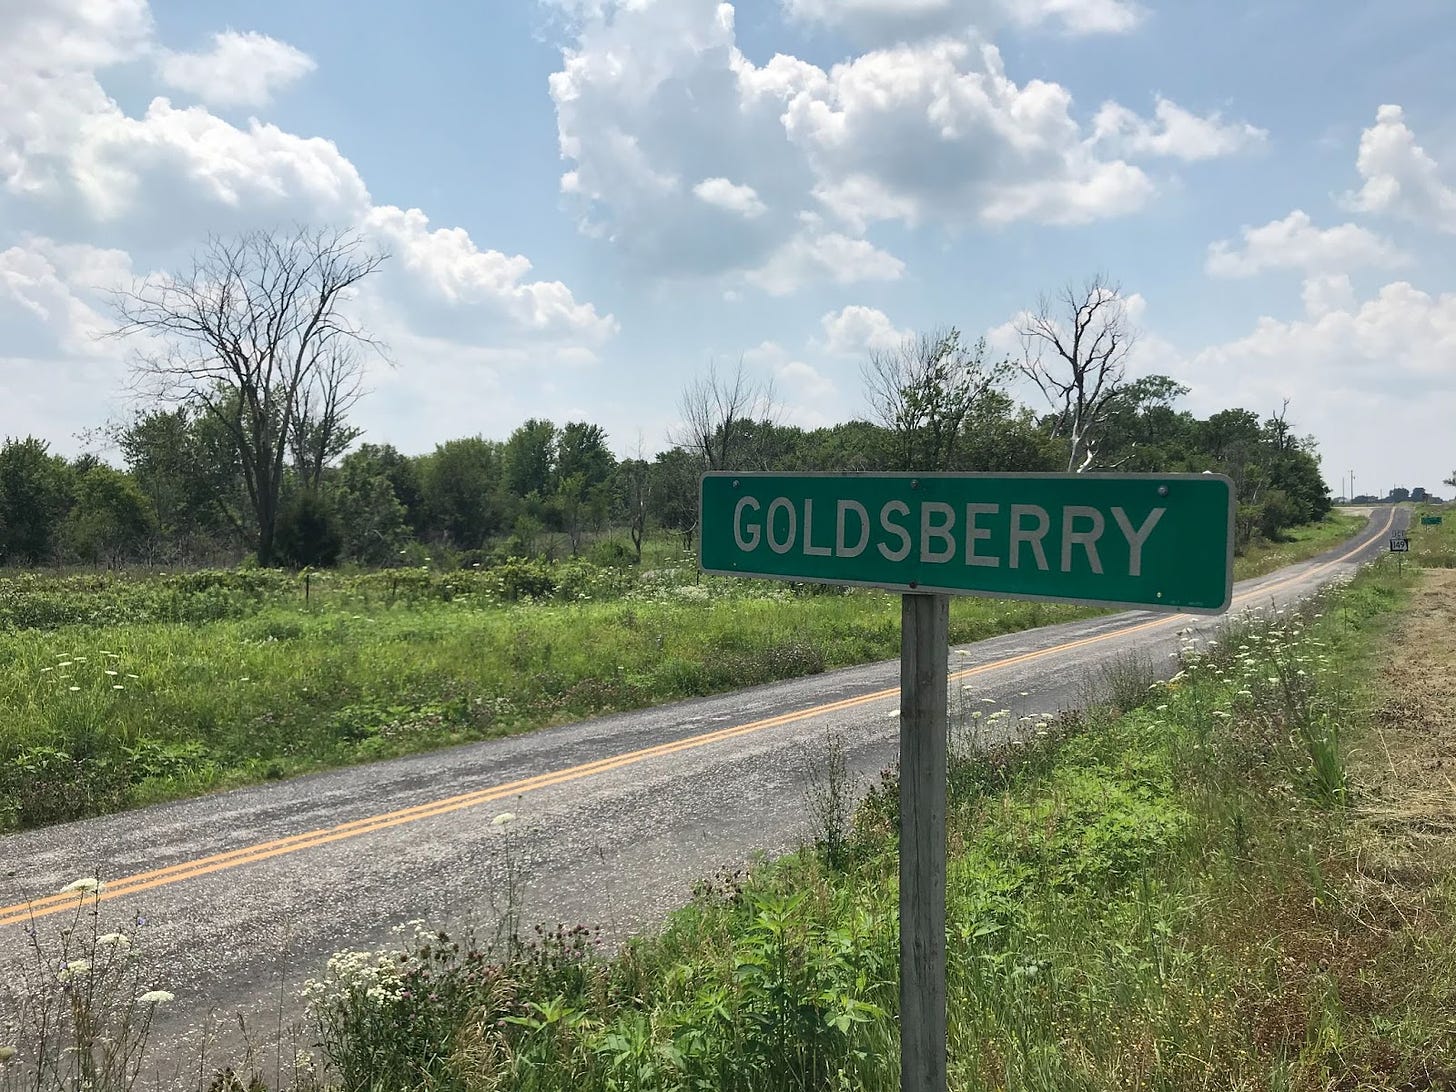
[[588, 201]]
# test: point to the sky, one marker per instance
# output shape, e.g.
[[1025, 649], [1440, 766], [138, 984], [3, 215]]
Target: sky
[[587, 203]]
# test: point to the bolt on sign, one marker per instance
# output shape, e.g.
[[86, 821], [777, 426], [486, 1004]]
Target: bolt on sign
[[1160, 541]]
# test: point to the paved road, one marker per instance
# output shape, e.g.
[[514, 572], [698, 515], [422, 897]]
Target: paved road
[[616, 816]]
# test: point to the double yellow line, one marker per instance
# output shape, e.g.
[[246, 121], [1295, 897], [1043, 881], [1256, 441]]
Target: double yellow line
[[262, 851]]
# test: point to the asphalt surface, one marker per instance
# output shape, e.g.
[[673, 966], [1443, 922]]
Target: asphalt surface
[[245, 893]]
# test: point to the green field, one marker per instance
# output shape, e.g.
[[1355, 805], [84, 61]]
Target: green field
[[120, 690]]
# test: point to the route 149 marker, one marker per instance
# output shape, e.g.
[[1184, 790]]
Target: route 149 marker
[[1162, 542]]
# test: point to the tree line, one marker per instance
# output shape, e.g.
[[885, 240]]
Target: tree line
[[252, 362]]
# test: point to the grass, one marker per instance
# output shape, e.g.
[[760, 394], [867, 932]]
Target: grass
[[1300, 543], [110, 715], [126, 690]]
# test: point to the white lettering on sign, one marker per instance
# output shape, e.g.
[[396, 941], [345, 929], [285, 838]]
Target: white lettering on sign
[[841, 544], [1135, 539], [930, 529], [810, 550], [784, 545], [936, 535], [1020, 534], [895, 529], [1086, 539], [976, 534], [740, 532]]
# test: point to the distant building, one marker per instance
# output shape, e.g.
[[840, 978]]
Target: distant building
[[1419, 494]]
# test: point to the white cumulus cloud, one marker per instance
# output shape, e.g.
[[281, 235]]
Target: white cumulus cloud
[[1295, 243], [654, 92], [1173, 132], [61, 286], [1401, 177], [241, 69], [808, 258], [857, 330], [725, 195], [172, 157], [458, 273], [1371, 378]]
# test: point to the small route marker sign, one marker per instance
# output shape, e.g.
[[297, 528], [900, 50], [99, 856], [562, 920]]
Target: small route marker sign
[[1431, 521], [1159, 541], [1399, 546]]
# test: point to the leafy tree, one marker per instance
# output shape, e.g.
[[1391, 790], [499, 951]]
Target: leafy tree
[[849, 446], [673, 499], [923, 392], [1000, 435], [34, 494], [308, 531], [186, 466], [111, 518], [581, 449], [401, 472], [528, 459], [373, 523], [461, 482]]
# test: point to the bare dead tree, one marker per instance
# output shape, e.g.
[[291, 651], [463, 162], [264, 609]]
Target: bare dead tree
[[1075, 348], [925, 389], [322, 432], [257, 336], [720, 412], [636, 477]]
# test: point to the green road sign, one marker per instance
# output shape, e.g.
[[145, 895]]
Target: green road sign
[[1161, 541], [1431, 520]]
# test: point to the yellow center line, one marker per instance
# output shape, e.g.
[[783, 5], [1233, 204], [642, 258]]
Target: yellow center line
[[262, 851]]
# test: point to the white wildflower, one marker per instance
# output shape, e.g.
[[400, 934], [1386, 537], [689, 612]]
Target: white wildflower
[[119, 941], [74, 969], [503, 819], [86, 885], [156, 997]]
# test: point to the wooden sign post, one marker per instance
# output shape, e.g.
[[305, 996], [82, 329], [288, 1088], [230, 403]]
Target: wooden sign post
[[924, 650]]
